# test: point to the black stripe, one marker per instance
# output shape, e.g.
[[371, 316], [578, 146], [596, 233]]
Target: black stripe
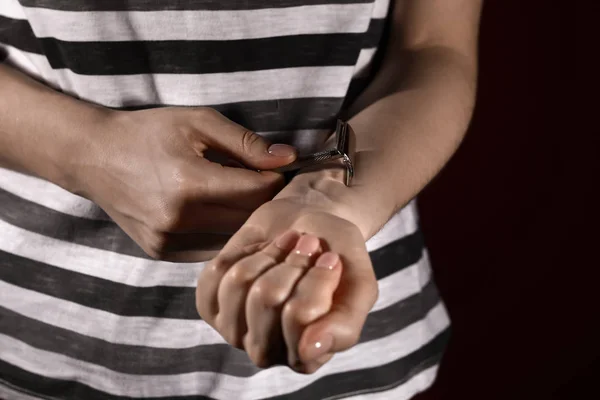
[[193, 57], [165, 361], [202, 57], [161, 5], [156, 301], [397, 255], [277, 115], [384, 377], [376, 379], [357, 86], [102, 294], [106, 235], [99, 234], [18, 33]]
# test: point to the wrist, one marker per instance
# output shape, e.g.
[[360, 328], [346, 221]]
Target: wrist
[[78, 148], [322, 187], [42, 130]]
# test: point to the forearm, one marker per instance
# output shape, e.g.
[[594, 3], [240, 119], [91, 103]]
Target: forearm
[[407, 126], [40, 129], [406, 137]]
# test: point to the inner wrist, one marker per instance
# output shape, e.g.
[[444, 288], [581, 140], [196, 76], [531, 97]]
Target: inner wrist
[[81, 149], [322, 186]]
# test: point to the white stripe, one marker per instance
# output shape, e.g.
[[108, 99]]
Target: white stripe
[[417, 384], [21, 60], [380, 9], [207, 89], [414, 385], [212, 89], [363, 64], [84, 26], [12, 9], [403, 284], [198, 89], [131, 270], [165, 332], [136, 331], [102, 264], [49, 195], [123, 268], [403, 223], [268, 382], [55, 198], [38, 67]]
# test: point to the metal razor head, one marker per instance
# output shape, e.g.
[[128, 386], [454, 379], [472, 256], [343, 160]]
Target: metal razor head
[[344, 149], [345, 145]]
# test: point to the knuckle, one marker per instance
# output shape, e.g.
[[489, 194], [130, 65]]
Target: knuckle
[[202, 306], [166, 221], [231, 338], [155, 245], [249, 140], [374, 293], [256, 353], [217, 267], [182, 182], [228, 332], [240, 276], [206, 112], [258, 358], [371, 291], [300, 313], [351, 335], [165, 214], [266, 294]]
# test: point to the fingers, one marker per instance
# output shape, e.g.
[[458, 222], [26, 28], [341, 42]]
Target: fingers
[[311, 299], [212, 274], [264, 340], [235, 187], [340, 329], [232, 293], [218, 132]]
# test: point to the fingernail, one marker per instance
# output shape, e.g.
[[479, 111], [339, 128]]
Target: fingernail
[[307, 245], [328, 260], [281, 150], [287, 240], [320, 347]]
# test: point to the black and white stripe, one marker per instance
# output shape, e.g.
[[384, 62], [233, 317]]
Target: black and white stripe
[[84, 313], [186, 5], [336, 379], [154, 301]]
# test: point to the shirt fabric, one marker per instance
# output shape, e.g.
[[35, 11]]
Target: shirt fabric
[[84, 313]]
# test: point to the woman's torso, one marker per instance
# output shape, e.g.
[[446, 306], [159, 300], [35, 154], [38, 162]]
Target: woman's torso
[[83, 312]]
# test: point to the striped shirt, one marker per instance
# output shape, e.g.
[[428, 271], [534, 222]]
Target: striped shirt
[[84, 313]]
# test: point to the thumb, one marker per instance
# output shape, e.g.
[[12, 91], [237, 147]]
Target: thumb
[[341, 328], [244, 145]]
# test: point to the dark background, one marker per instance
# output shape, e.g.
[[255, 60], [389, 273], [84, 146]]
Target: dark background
[[512, 222]]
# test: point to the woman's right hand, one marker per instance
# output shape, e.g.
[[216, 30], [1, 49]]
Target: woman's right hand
[[149, 171]]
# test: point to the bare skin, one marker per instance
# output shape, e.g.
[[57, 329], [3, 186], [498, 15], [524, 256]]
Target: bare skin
[[410, 120], [146, 169]]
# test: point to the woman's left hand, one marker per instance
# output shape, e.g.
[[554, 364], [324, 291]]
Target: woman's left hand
[[264, 294]]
